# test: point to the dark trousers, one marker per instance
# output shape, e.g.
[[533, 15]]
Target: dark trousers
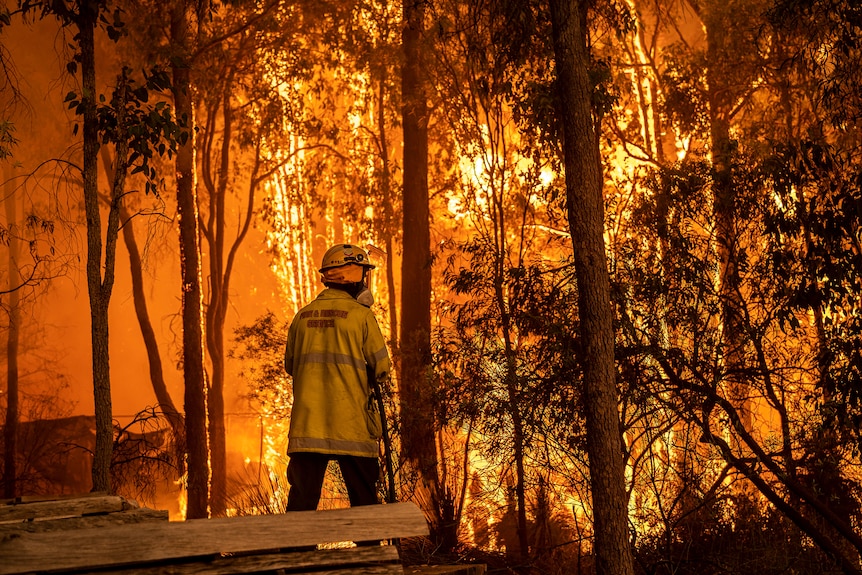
[[305, 473]]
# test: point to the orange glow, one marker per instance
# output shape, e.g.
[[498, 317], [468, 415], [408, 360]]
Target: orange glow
[[182, 500]]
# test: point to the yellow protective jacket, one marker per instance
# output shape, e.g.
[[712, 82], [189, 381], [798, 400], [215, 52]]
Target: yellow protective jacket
[[332, 345]]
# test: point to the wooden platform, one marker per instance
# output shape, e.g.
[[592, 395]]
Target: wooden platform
[[285, 543]]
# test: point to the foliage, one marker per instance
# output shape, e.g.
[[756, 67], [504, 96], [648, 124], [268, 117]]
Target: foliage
[[7, 139], [707, 542], [147, 128], [260, 348], [471, 355], [824, 36], [683, 79], [143, 455], [678, 344], [813, 228]]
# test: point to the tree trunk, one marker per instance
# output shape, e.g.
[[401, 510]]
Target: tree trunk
[[586, 222], [151, 344], [99, 295], [417, 410], [222, 253], [518, 437], [514, 402], [216, 310], [10, 430], [193, 354], [716, 16], [388, 216]]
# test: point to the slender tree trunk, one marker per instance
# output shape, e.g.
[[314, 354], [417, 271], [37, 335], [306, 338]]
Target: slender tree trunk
[[513, 391], [716, 16], [193, 354], [216, 420], [99, 296], [10, 431], [586, 222], [417, 410], [151, 344], [165, 403], [515, 405], [222, 255], [388, 216], [216, 310]]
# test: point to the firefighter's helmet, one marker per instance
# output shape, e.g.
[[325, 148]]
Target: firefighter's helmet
[[343, 254]]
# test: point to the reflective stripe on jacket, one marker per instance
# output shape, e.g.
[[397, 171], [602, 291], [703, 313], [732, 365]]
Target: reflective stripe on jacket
[[332, 345]]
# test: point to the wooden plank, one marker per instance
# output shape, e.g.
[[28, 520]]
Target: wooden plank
[[35, 498], [154, 541], [53, 509], [83, 522], [466, 569], [369, 560]]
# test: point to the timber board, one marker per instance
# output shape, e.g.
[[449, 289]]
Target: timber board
[[380, 560], [466, 569], [16, 511], [41, 524], [157, 542], [37, 498]]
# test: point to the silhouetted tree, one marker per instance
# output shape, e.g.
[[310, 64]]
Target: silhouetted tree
[[197, 442], [417, 406], [585, 207]]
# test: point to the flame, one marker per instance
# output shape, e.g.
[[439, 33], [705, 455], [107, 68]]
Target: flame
[[182, 499]]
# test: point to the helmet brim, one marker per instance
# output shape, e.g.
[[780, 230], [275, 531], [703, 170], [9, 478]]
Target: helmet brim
[[365, 265]]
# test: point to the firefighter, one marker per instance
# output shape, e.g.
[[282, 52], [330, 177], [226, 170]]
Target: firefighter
[[334, 346]]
